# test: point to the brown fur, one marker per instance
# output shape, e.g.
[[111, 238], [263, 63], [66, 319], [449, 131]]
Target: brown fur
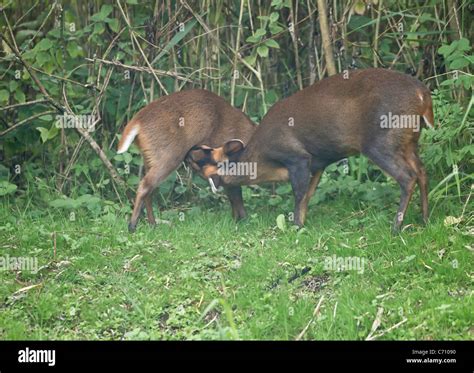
[[170, 126], [333, 119]]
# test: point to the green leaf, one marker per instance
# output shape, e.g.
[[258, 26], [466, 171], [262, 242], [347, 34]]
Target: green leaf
[[59, 58], [260, 32], [275, 200], [251, 59], [4, 95], [48, 134], [13, 85], [7, 188], [445, 50], [43, 45], [274, 17], [275, 29], [46, 118], [127, 157], [102, 15], [252, 39], [262, 51], [43, 133], [113, 24], [99, 29], [459, 63], [42, 58], [74, 49], [283, 189], [463, 45], [272, 44], [180, 189], [19, 96], [281, 222]]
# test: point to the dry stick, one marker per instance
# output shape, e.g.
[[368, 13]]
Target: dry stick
[[295, 47], [387, 330], [453, 18], [402, 45], [139, 68], [315, 314], [311, 56], [87, 86], [376, 36], [15, 126], [132, 34], [203, 24], [73, 159], [237, 44], [42, 25], [327, 46], [113, 173], [23, 104], [375, 324]]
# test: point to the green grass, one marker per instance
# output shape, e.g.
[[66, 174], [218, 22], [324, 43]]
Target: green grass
[[209, 278]]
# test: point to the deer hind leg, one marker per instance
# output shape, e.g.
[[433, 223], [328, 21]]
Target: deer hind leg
[[313, 184], [154, 176], [148, 199], [422, 181], [402, 171], [299, 171]]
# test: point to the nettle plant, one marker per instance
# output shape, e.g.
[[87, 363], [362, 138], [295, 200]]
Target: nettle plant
[[458, 56]]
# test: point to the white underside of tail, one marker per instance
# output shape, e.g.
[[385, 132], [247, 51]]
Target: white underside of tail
[[128, 140], [427, 122]]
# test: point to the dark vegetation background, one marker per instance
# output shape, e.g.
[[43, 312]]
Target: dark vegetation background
[[110, 59]]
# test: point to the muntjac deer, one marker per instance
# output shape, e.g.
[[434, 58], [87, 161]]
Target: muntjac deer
[[375, 112], [166, 129]]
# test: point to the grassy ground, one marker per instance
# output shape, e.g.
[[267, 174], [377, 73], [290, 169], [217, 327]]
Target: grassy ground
[[209, 278]]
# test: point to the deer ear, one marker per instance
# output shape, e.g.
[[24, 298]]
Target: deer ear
[[199, 155], [233, 147]]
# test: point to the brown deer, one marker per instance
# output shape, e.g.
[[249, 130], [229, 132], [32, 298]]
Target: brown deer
[[165, 131], [375, 112]]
